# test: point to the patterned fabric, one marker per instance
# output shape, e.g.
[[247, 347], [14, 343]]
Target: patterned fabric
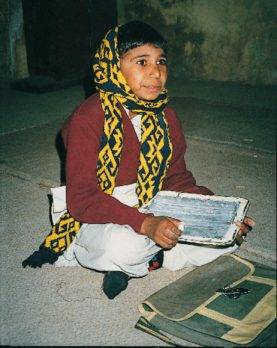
[[157, 261], [156, 148], [62, 233]]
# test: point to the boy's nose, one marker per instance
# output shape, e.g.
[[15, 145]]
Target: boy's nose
[[155, 71]]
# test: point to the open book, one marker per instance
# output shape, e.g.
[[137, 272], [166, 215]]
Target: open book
[[204, 219]]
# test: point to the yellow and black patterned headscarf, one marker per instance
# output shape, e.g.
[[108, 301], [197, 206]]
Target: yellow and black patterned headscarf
[[156, 148]]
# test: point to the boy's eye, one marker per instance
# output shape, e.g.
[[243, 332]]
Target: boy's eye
[[141, 62], [162, 61]]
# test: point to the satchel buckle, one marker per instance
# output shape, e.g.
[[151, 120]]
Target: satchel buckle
[[232, 292]]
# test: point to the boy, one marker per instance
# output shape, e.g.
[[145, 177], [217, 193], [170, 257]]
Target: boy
[[123, 146]]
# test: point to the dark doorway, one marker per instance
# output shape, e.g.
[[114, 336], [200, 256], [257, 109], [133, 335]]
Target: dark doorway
[[61, 37]]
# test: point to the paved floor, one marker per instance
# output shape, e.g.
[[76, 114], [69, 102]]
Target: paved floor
[[231, 149]]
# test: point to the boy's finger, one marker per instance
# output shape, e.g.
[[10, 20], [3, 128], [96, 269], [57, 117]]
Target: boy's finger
[[176, 223], [243, 227], [172, 234], [239, 239], [167, 243], [249, 221]]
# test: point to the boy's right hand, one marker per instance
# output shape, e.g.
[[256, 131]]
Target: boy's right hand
[[162, 230]]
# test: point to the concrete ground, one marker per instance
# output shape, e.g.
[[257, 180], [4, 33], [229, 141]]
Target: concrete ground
[[231, 149]]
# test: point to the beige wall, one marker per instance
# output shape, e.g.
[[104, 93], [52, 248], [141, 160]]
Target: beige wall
[[222, 40]]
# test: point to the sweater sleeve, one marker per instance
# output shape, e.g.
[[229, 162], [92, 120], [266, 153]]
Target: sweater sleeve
[[178, 178], [86, 202]]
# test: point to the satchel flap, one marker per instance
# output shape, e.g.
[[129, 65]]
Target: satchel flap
[[180, 298]]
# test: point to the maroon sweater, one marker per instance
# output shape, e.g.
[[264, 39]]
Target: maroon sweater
[[86, 201]]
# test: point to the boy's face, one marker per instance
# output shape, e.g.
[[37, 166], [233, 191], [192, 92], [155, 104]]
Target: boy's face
[[145, 71]]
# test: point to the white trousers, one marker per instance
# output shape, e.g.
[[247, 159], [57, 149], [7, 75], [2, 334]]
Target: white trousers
[[113, 247]]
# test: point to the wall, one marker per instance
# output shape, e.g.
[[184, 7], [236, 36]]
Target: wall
[[13, 61], [222, 40], [54, 31]]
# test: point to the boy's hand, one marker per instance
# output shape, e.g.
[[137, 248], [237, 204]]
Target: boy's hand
[[245, 226], [162, 230]]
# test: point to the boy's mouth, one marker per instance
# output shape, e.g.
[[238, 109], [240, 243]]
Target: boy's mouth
[[153, 88]]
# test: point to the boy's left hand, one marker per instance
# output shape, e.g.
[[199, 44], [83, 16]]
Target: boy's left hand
[[244, 227]]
